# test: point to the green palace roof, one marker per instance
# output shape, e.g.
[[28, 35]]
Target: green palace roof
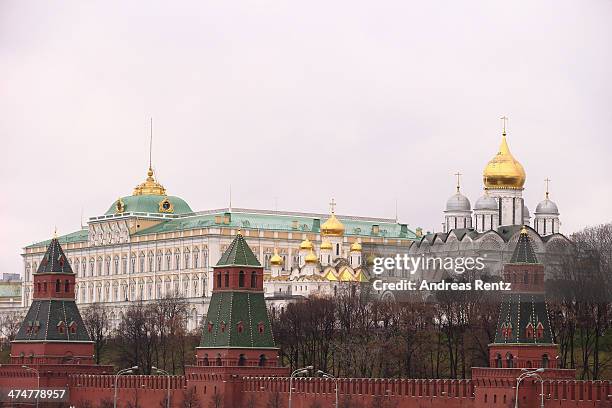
[[254, 219], [149, 204], [240, 219]]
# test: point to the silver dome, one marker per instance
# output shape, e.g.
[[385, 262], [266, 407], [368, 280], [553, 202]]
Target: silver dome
[[486, 202], [547, 207], [458, 202], [526, 213]]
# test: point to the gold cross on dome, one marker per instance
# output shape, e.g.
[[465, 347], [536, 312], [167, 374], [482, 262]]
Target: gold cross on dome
[[547, 181], [458, 179], [332, 205], [504, 122]]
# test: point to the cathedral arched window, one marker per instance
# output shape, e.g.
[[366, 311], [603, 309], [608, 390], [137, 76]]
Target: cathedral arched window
[[253, 279], [151, 261], [99, 266], [196, 258], [509, 360], [218, 279], [498, 361], [67, 286], [227, 279], [116, 265], [57, 285], [241, 279]]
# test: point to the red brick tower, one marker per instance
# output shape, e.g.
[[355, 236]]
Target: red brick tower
[[523, 338], [52, 339], [237, 339]]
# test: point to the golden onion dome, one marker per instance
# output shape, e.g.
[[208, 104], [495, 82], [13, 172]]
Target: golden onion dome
[[503, 170], [311, 257], [150, 186], [356, 247], [276, 259], [306, 244], [326, 245], [332, 227]]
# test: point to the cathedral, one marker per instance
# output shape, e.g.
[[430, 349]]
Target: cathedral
[[492, 229]]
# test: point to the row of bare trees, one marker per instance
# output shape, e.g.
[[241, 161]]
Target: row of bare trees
[[148, 334], [354, 334]]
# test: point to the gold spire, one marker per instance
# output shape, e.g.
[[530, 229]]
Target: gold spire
[[503, 170], [150, 186], [276, 259], [311, 257], [332, 227]]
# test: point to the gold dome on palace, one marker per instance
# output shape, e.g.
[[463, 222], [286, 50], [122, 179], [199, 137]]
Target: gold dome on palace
[[276, 258], [306, 244], [326, 245], [332, 227], [150, 186], [356, 247], [311, 258], [503, 170]]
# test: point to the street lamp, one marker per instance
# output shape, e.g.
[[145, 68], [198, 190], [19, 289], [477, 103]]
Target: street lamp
[[37, 380], [297, 372], [331, 377], [121, 372], [527, 373], [168, 374]]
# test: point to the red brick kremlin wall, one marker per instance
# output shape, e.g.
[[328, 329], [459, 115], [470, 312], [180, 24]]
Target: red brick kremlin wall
[[149, 391]]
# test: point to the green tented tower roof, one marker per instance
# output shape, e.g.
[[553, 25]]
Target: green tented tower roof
[[523, 252], [54, 260], [238, 254]]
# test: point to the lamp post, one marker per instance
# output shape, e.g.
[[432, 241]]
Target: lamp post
[[530, 374], [37, 380], [121, 372], [167, 374], [331, 377], [296, 372]]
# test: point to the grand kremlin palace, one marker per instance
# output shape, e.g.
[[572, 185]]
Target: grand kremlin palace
[[149, 245]]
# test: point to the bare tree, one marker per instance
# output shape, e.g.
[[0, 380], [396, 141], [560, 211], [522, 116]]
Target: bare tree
[[97, 324]]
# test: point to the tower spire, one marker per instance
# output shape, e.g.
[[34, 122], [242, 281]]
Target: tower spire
[[332, 206], [504, 120], [151, 147], [458, 174]]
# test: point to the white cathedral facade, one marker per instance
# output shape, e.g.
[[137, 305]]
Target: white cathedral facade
[[502, 202]]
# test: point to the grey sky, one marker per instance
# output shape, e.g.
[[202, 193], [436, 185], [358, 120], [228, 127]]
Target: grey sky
[[299, 100]]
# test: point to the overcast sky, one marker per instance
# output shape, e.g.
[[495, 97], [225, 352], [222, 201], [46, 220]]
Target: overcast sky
[[298, 101]]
